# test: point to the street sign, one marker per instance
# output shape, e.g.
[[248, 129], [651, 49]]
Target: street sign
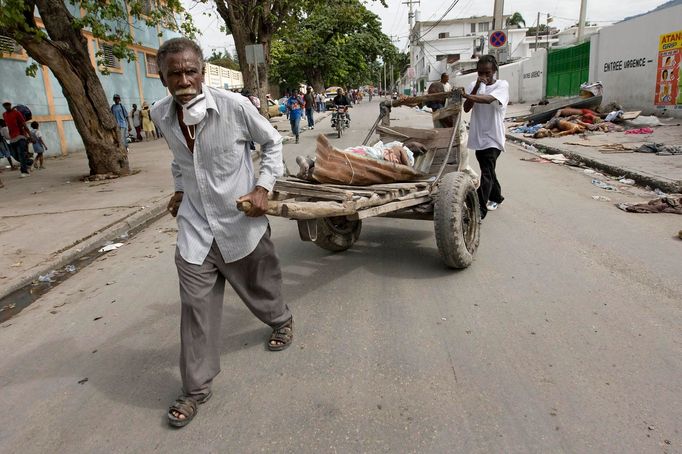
[[498, 39], [411, 74], [254, 54]]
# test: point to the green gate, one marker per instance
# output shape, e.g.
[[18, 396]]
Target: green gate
[[567, 69]]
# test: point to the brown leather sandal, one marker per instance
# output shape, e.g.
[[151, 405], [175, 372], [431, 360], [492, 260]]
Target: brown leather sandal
[[283, 335], [186, 406]]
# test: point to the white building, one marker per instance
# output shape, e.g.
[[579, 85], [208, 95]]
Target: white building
[[454, 45]]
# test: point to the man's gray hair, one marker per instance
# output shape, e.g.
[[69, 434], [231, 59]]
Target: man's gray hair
[[175, 46]]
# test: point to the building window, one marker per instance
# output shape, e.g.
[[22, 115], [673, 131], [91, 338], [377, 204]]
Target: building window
[[152, 66], [483, 26], [9, 46], [110, 60], [443, 35], [473, 28], [11, 49]]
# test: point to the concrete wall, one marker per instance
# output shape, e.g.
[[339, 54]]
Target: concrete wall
[[633, 87], [526, 78]]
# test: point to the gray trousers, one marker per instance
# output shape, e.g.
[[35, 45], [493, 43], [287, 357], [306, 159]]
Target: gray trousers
[[257, 279]]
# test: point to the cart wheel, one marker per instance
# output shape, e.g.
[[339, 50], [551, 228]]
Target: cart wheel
[[336, 234], [456, 220]]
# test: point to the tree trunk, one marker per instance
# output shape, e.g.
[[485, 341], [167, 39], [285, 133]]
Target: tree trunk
[[66, 54], [316, 80], [248, 28]]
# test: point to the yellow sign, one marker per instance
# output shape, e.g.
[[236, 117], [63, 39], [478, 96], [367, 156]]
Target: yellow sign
[[668, 81], [670, 41]]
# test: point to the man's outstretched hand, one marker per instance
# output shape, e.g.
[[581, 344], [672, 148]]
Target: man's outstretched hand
[[174, 204], [258, 201]]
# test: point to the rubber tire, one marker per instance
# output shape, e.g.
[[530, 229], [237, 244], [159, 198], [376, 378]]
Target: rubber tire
[[336, 237], [457, 220]]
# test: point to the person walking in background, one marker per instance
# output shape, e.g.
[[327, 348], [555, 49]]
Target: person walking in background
[[5, 151], [319, 101], [39, 147], [488, 97], [309, 100], [147, 123], [18, 136], [295, 111], [121, 116], [136, 120]]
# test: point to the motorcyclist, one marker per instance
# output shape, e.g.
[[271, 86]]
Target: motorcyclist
[[340, 100]]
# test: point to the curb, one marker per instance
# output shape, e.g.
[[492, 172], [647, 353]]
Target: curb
[[670, 186], [131, 224]]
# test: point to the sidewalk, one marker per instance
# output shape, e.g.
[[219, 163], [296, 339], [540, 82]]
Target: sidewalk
[[50, 219], [647, 169]]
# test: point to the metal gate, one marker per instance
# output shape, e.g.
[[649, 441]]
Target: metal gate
[[567, 69]]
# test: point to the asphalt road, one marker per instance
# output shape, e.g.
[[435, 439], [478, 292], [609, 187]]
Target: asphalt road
[[563, 336]]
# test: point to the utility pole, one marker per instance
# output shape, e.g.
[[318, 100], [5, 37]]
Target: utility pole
[[498, 15], [581, 24], [385, 88], [392, 81], [412, 35], [537, 32]]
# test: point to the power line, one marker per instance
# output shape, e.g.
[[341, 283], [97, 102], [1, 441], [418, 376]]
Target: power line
[[452, 5]]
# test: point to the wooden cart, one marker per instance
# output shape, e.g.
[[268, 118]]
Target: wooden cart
[[331, 215]]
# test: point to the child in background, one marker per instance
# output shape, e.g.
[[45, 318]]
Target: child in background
[[39, 146]]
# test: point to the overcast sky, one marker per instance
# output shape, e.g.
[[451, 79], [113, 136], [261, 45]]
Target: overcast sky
[[394, 18]]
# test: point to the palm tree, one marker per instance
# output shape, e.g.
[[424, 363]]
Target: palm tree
[[516, 19]]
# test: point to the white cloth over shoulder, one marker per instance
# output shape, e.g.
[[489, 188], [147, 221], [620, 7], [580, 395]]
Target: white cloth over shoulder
[[487, 120], [218, 172]]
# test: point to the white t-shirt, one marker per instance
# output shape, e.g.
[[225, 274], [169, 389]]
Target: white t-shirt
[[487, 120]]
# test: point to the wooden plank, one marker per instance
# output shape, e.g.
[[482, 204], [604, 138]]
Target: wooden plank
[[314, 194], [387, 208], [630, 115]]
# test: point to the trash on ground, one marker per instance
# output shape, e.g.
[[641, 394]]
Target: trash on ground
[[628, 181], [601, 198], [124, 236], [603, 185], [671, 205], [536, 159], [83, 381], [111, 247], [48, 277], [16, 265], [660, 149], [70, 268], [642, 121], [640, 131], [555, 158], [529, 147]]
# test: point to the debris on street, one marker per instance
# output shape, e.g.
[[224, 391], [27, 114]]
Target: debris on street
[[671, 205], [110, 247]]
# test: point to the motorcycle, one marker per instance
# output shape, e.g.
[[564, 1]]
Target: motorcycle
[[340, 119]]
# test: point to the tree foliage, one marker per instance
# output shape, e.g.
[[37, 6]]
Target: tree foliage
[[516, 19], [223, 59], [335, 44], [257, 22]]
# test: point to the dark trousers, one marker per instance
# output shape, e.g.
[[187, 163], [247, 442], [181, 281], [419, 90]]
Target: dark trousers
[[20, 149], [309, 115], [257, 279], [295, 122], [490, 189]]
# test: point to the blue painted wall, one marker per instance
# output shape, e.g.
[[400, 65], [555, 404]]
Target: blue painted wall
[[18, 88], [48, 129]]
